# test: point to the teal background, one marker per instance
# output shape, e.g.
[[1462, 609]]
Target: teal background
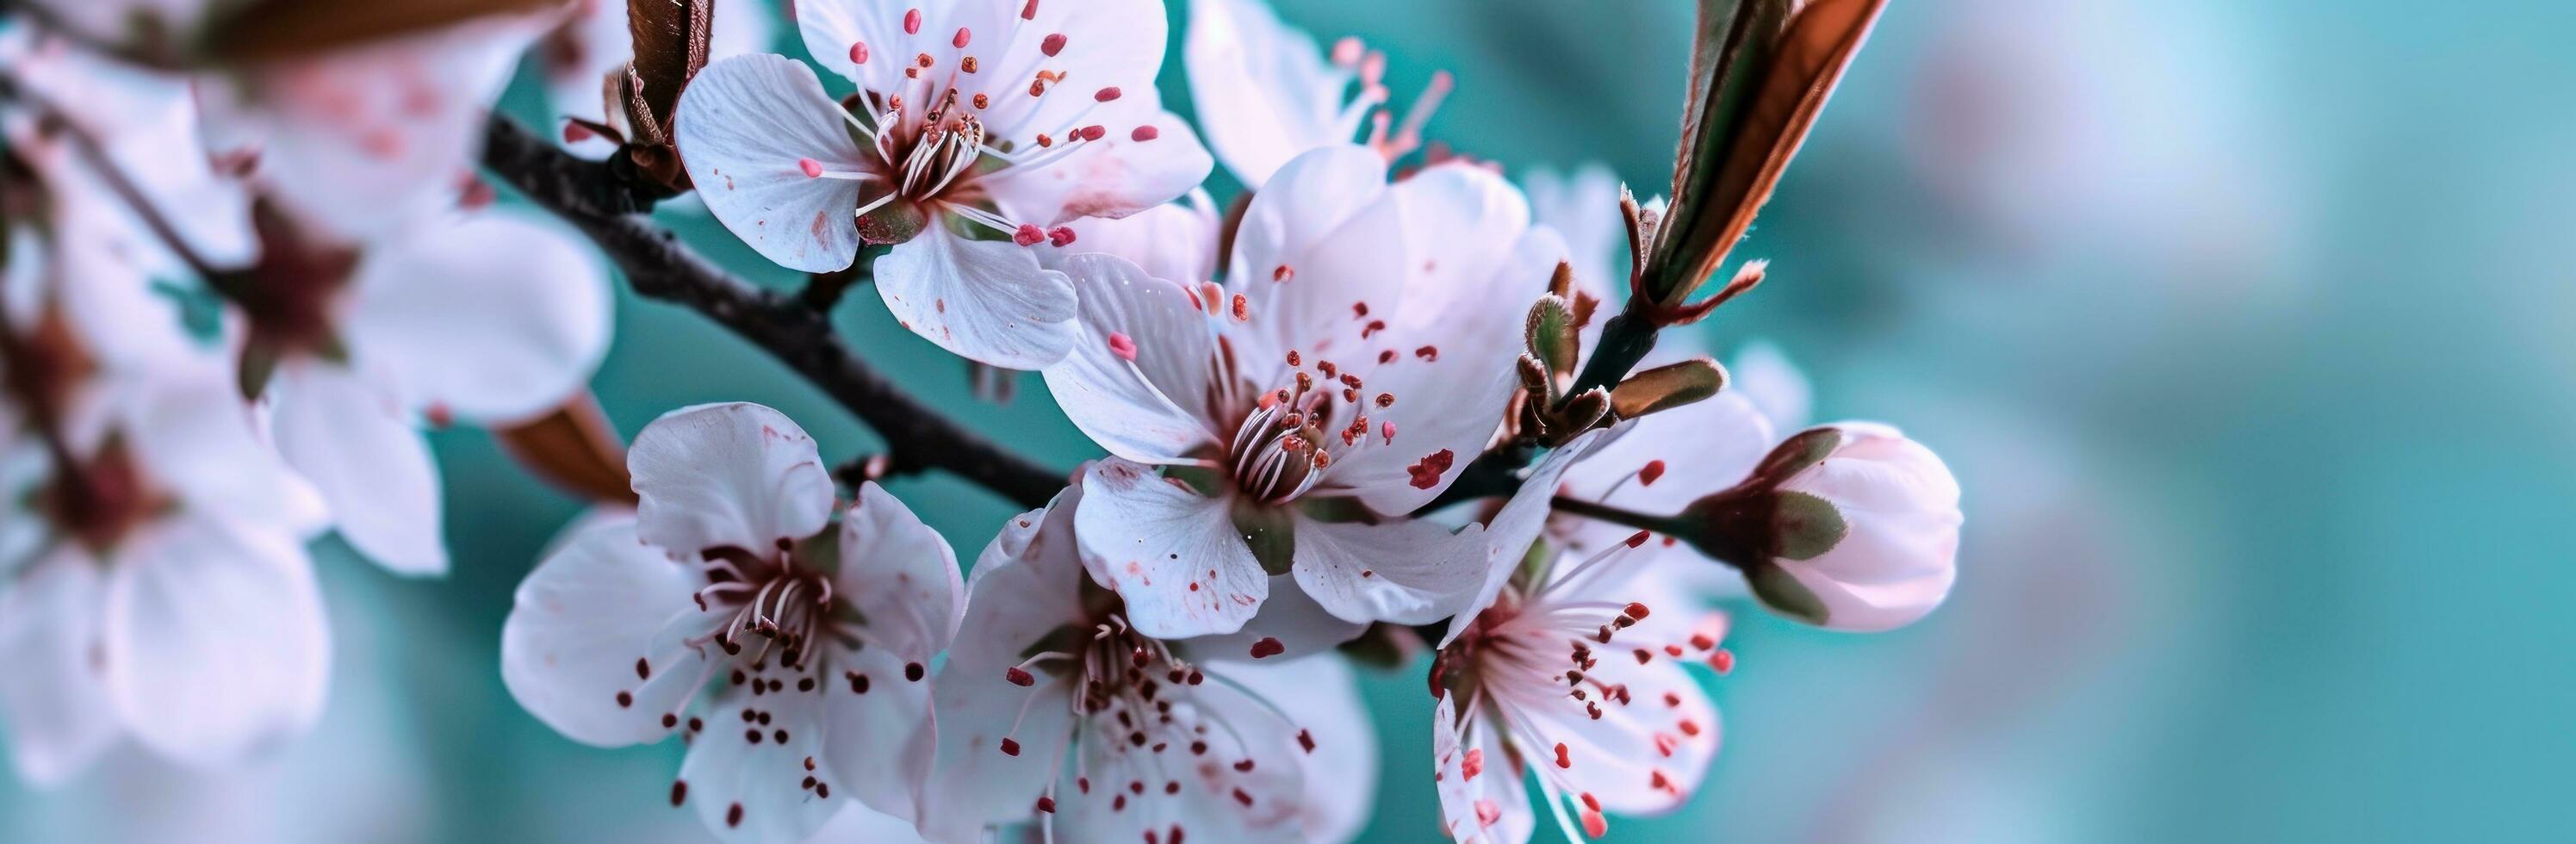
[[2244, 326]]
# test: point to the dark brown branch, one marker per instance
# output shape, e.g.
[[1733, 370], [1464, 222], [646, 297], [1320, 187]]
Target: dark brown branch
[[661, 267]]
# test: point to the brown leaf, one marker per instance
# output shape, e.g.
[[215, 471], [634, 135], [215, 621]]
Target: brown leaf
[[1667, 387], [574, 449], [670, 46], [266, 30], [1794, 80]]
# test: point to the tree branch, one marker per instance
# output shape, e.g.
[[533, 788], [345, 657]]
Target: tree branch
[[588, 195]]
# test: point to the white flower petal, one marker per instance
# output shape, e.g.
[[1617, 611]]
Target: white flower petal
[[196, 437], [1467, 299], [1765, 377], [738, 475], [1261, 88], [51, 700], [900, 575], [877, 743], [1291, 621], [1144, 157], [856, 822], [1321, 237], [1323, 695], [1403, 572], [1509, 533], [1107, 44], [1137, 790], [1489, 807], [1174, 241], [743, 125], [1026, 585], [213, 638], [1174, 555], [1620, 757], [495, 318], [1136, 378], [1584, 207], [985, 300], [582, 622], [365, 140], [753, 791], [349, 440], [140, 117]]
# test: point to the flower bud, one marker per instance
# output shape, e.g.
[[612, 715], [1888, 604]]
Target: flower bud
[[1848, 526]]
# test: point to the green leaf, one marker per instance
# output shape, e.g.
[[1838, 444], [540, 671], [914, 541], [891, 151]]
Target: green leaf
[[1666, 387], [1804, 527], [1801, 450], [1551, 335], [1785, 595]]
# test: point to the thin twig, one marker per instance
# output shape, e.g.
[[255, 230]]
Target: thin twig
[[661, 267]]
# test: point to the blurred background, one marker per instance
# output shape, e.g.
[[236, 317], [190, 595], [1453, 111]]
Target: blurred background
[[2245, 327]]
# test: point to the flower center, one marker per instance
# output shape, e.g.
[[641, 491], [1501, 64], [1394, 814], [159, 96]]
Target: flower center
[[1282, 447], [780, 604]]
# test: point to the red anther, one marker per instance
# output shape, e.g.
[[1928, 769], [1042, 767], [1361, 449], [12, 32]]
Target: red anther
[[1688, 727], [1125, 348], [1562, 760], [1428, 353], [1029, 12], [962, 37], [813, 169], [1636, 539], [1282, 273], [1020, 677], [1010, 747], [1306, 740], [1028, 235], [1052, 45], [1647, 476], [912, 21], [1094, 132], [1723, 661], [1144, 133], [1593, 824], [1268, 646], [1105, 94], [1665, 744], [1635, 610], [1589, 802], [1387, 430], [858, 52], [1060, 236], [1046, 804], [1242, 311], [1293, 359]]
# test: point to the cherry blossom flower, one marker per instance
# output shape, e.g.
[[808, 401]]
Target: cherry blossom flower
[[1359, 352], [1265, 94], [1056, 709], [731, 571], [981, 127], [363, 141], [488, 317], [1851, 526], [164, 592], [1564, 675]]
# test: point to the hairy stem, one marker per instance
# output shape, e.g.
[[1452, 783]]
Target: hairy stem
[[661, 267]]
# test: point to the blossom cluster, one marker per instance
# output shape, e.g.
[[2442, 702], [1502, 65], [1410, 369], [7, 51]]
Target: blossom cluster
[[1373, 412]]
